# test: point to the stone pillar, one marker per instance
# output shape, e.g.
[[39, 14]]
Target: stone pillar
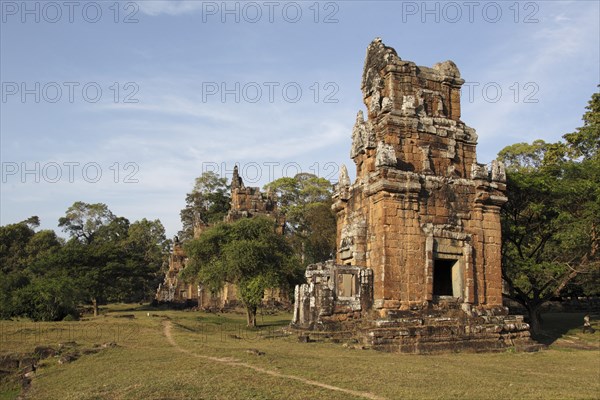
[[469, 274], [429, 267], [493, 257]]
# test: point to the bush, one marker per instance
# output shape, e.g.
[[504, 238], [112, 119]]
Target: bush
[[45, 299]]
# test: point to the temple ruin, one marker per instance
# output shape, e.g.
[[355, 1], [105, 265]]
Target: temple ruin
[[418, 264], [246, 202]]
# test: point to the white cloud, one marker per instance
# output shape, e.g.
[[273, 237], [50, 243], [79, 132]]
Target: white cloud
[[169, 7]]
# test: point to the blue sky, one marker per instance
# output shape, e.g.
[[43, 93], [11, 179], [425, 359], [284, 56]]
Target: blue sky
[[152, 93]]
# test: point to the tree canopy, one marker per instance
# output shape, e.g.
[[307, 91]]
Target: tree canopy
[[107, 259], [82, 220], [551, 221], [305, 200], [247, 253], [207, 203]]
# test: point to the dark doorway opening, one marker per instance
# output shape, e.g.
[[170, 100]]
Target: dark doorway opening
[[442, 277]]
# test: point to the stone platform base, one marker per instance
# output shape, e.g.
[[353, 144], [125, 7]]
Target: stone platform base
[[435, 334], [427, 332]]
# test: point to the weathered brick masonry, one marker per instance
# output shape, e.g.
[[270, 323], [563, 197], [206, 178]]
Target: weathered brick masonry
[[420, 224]]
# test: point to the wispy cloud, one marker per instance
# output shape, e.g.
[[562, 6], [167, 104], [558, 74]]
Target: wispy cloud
[[534, 59], [169, 7], [176, 106]]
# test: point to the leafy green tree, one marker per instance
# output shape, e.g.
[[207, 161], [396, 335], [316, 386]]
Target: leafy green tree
[[9, 283], [31, 285], [95, 268], [147, 250], [124, 261], [32, 222], [107, 259], [13, 246], [551, 221], [318, 233], [19, 243], [92, 255], [247, 253], [524, 156], [42, 244], [207, 203], [46, 298], [82, 220], [305, 200], [585, 141], [112, 259]]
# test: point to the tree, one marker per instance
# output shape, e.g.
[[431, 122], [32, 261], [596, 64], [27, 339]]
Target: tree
[[122, 261], [320, 232], [247, 253], [32, 284], [13, 246], [521, 156], [147, 249], [111, 258], [585, 141], [82, 220], [46, 298], [207, 203], [92, 256], [305, 200], [10, 282], [42, 244], [552, 218]]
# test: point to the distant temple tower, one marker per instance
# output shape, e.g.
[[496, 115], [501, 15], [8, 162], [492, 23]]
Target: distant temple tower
[[247, 202]]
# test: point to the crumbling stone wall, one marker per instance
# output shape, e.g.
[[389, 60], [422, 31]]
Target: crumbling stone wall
[[333, 293], [420, 197], [174, 289]]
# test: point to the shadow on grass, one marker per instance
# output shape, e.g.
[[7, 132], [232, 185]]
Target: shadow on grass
[[557, 325]]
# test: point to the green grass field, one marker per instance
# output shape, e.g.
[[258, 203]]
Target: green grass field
[[195, 355]]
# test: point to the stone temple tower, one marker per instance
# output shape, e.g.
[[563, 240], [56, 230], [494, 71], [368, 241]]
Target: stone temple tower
[[418, 263], [422, 213]]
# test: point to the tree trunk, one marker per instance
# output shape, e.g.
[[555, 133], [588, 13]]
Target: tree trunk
[[534, 312], [95, 306], [251, 316]]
